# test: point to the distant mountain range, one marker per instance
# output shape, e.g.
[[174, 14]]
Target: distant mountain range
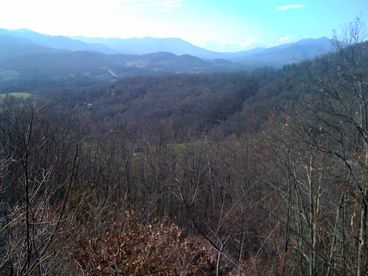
[[275, 56], [22, 58], [27, 54], [147, 45], [304, 49]]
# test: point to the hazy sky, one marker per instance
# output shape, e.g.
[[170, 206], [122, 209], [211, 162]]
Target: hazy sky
[[216, 24]]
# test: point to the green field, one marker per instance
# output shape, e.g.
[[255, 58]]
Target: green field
[[22, 95]]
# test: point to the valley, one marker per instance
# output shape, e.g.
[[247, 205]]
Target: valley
[[26, 56]]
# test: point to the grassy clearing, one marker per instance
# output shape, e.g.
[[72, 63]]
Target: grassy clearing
[[22, 95]]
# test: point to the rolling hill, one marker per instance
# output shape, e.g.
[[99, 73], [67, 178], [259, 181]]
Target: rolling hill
[[28, 57]]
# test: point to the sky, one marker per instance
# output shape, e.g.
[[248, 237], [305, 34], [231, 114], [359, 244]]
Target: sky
[[220, 25]]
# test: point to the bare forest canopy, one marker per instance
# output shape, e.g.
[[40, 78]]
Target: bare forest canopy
[[261, 172]]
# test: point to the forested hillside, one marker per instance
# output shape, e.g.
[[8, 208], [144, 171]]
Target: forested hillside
[[250, 173]]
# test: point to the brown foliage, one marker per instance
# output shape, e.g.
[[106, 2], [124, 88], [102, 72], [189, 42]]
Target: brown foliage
[[132, 248]]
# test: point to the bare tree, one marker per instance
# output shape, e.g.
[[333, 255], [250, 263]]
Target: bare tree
[[338, 126]]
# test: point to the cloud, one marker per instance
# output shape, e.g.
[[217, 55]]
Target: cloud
[[283, 39], [290, 7]]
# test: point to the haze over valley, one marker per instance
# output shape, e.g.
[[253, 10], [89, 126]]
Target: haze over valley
[[92, 60]]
